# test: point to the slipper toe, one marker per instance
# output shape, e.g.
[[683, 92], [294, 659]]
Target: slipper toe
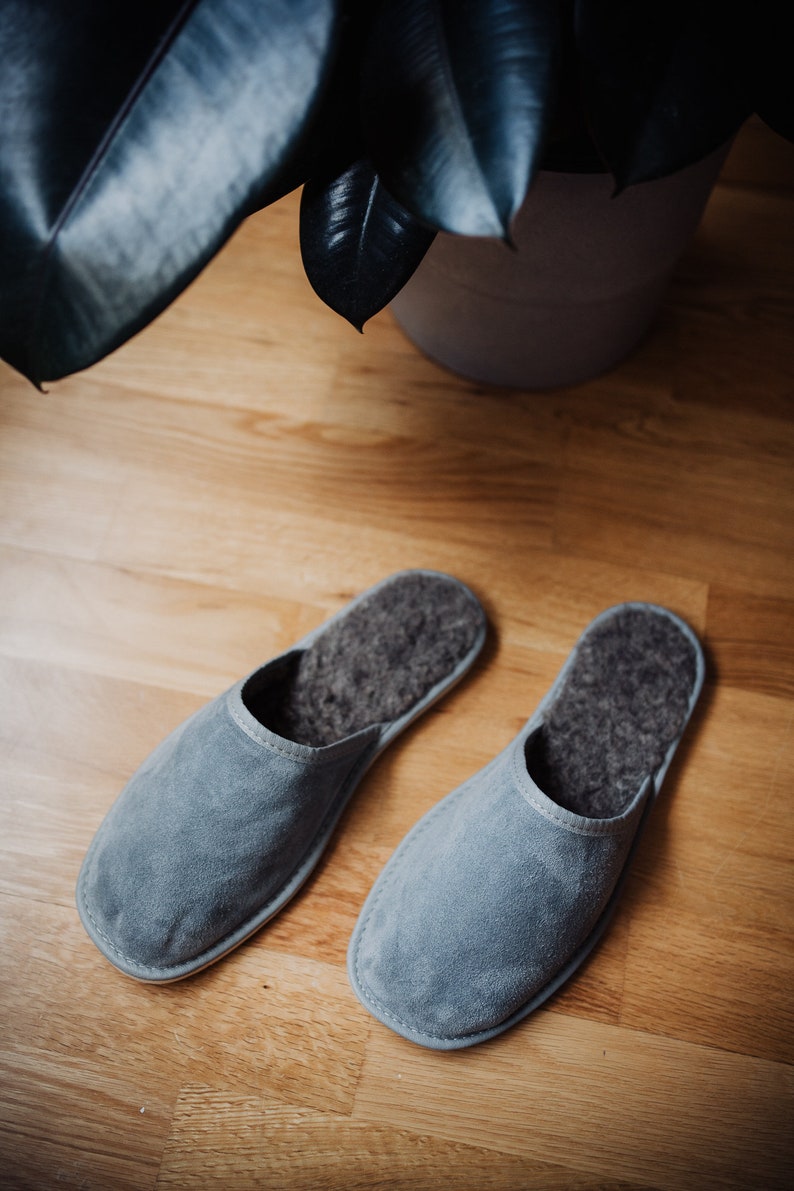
[[500, 892], [230, 814], [496, 891], [206, 840]]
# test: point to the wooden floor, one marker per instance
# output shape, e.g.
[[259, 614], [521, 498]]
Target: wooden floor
[[190, 506]]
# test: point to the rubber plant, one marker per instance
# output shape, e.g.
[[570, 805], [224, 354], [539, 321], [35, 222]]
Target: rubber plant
[[135, 138]]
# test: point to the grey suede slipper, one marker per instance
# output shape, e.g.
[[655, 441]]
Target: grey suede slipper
[[500, 892], [229, 815]]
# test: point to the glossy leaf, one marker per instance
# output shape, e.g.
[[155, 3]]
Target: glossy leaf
[[663, 85], [134, 137], [456, 97], [359, 245]]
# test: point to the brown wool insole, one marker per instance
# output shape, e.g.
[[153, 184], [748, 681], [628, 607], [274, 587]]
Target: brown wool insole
[[373, 664], [620, 707]]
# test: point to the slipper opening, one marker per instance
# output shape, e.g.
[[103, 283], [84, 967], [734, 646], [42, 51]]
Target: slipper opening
[[373, 664], [622, 703]]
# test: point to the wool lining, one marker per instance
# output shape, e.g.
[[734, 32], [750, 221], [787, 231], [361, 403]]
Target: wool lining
[[619, 709], [373, 664]]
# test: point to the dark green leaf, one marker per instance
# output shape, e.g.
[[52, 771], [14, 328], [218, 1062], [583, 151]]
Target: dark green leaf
[[455, 102], [664, 85], [359, 245], [134, 137]]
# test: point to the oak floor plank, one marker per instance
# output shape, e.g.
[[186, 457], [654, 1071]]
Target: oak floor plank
[[594, 1096], [711, 952], [752, 638], [67, 798], [664, 488], [63, 1123], [288, 1146], [76, 716], [280, 1023], [137, 626]]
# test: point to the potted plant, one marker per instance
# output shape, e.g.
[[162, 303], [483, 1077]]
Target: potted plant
[[135, 140]]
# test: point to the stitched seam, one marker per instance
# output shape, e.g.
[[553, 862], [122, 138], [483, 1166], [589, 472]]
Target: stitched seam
[[289, 754], [192, 960], [117, 950], [594, 827]]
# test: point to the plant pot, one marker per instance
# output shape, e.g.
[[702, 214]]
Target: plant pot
[[586, 277]]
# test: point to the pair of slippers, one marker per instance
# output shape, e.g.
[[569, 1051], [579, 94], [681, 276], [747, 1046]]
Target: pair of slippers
[[493, 899]]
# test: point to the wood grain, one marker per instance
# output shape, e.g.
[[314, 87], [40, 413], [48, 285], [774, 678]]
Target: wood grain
[[279, 1145], [193, 504], [650, 1110]]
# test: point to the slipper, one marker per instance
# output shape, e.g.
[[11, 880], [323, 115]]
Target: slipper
[[229, 815], [500, 892]]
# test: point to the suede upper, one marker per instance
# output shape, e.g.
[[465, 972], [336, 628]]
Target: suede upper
[[228, 816], [499, 908], [498, 893], [207, 832]]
